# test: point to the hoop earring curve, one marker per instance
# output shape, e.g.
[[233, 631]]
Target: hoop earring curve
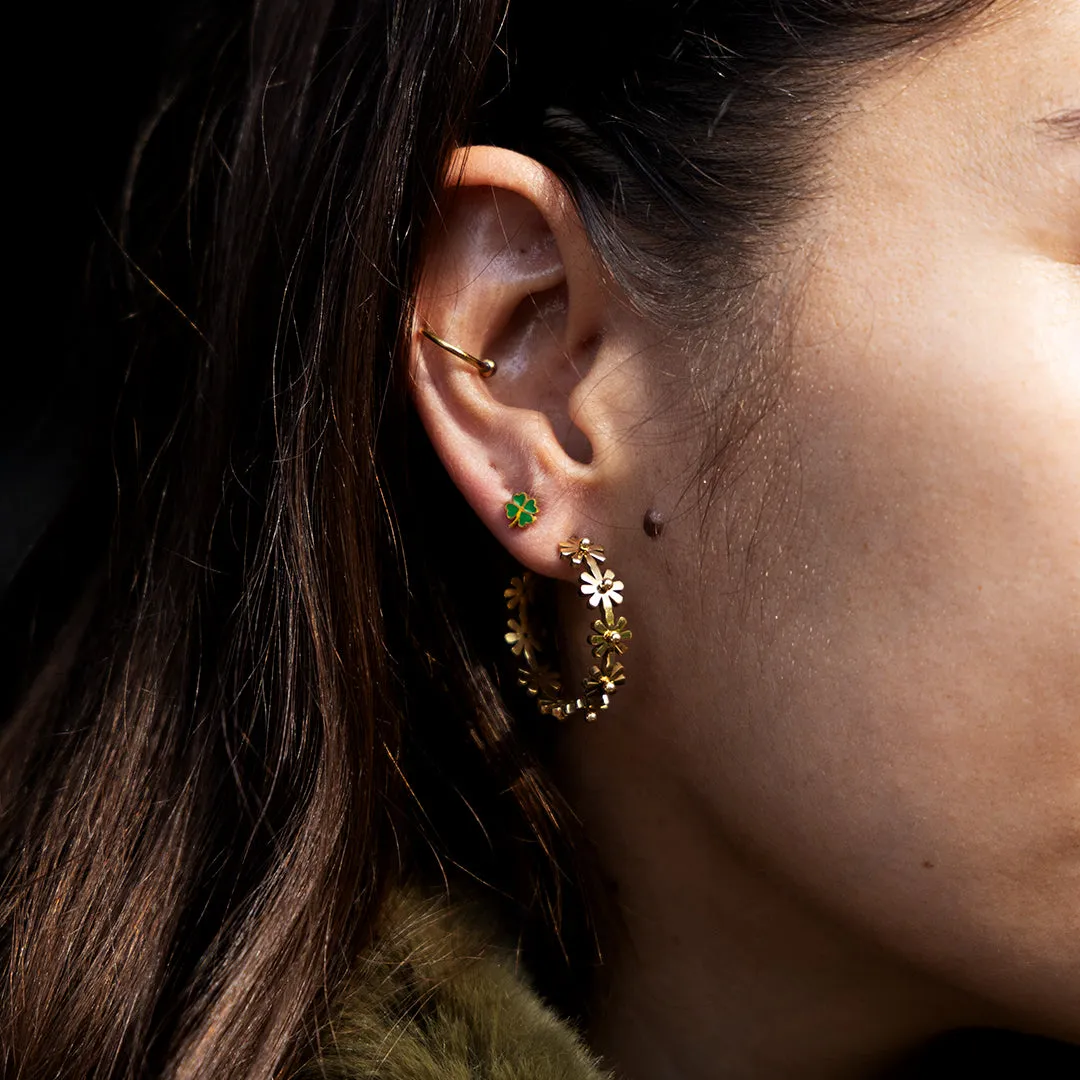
[[610, 637], [486, 368]]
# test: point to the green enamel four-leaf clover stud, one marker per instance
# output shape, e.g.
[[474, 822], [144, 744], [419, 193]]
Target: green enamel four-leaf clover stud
[[522, 510]]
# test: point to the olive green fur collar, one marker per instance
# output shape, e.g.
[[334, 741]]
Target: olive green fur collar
[[436, 1000]]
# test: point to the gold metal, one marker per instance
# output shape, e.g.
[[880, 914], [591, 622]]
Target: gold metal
[[485, 367], [610, 637]]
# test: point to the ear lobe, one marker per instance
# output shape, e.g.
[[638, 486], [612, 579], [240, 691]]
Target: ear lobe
[[509, 277]]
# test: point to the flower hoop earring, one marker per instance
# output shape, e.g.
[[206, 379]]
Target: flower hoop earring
[[610, 637]]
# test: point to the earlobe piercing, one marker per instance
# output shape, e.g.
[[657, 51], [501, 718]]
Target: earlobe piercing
[[522, 510], [485, 367]]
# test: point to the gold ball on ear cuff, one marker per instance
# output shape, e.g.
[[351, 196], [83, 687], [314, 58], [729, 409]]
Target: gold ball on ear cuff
[[610, 637], [482, 365]]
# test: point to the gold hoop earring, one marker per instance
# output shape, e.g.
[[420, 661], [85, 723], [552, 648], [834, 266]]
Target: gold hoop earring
[[486, 368], [609, 640]]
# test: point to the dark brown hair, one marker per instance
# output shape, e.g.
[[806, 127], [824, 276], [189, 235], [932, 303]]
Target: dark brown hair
[[266, 693]]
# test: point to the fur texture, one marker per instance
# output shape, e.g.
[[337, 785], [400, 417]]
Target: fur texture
[[436, 1000]]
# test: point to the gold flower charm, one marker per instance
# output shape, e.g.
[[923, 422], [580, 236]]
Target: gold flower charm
[[610, 639], [607, 679], [521, 641], [520, 591], [601, 588], [578, 550], [540, 681]]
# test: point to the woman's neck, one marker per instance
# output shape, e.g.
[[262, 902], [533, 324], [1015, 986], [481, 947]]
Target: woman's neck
[[718, 970]]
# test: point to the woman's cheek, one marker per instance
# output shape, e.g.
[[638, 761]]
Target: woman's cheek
[[923, 620]]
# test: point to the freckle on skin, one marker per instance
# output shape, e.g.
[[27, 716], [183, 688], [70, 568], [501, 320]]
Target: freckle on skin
[[928, 865]]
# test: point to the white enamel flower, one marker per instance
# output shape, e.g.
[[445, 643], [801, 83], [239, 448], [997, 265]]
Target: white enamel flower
[[601, 588]]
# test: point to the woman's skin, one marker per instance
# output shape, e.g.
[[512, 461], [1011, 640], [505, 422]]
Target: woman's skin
[[839, 796]]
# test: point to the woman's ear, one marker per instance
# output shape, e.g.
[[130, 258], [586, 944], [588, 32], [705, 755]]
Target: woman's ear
[[510, 277]]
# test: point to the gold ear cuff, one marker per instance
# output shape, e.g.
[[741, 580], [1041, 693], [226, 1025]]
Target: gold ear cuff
[[610, 637], [485, 367]]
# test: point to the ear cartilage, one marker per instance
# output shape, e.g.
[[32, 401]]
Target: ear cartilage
[[522, 510], [485, 367]]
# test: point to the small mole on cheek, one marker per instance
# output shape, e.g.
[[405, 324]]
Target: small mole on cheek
[[927, 864], [653, 523]]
